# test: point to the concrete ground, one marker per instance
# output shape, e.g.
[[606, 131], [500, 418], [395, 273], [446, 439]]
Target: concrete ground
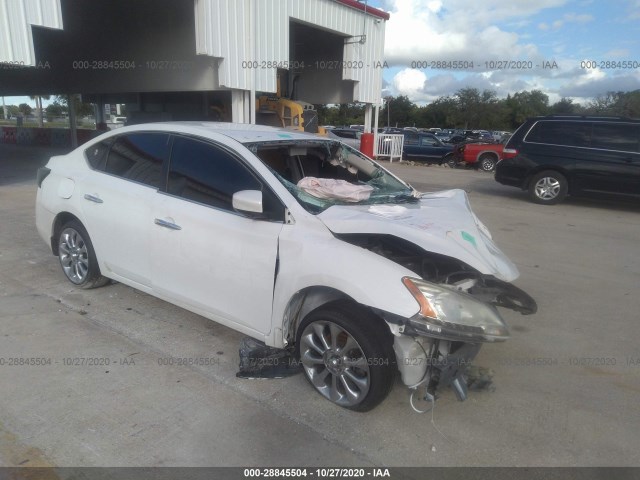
[[567, 382]]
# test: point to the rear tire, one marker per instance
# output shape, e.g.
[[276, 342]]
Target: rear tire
[[77, 256], [548, 187], [450, 161], [487, 162], [347, 355]]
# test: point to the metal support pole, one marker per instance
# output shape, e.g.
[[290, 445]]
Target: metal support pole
[[72, 120], [252, 71], [367, 118], [376, 110]]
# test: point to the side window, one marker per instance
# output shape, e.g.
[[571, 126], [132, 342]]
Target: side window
[[139, 157], [207, 174], [572, 134], [96, 153], [616, 136], [427, 141], [411, 139]]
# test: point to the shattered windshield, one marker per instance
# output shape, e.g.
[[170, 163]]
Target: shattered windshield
[[320, 174]]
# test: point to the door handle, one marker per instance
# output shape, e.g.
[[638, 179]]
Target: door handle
[[92, 198], [167, 224]]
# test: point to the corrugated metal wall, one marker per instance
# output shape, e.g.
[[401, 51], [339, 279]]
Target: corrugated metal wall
[[223, 30], [231, 31], [16, 18]]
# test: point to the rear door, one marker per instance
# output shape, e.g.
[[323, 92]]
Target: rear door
[[117, 197], [204, 254]]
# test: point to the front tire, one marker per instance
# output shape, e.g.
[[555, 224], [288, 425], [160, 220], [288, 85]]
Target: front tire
[[548, 187], [77, 256], [347, 356]]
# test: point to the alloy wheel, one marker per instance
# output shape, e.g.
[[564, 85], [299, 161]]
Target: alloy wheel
[[74, 256], [547, 188], [335, 363]]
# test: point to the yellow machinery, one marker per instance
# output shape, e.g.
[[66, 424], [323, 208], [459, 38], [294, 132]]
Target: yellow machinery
[[277, 110]]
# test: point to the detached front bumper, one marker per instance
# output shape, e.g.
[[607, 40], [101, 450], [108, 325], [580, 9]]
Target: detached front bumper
[[434, 364]]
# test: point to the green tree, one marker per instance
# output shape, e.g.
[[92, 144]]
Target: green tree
[[468, 107], [442, 112], [604, 104], [565, 106], [25, 109], [626, 104], [475, 109], [399, 111], [629, 104], [13, 110], [53, 110], [39, 109], [81, 108], [526, 104]]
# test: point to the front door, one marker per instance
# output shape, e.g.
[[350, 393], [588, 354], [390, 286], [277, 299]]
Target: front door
[[204, 254]]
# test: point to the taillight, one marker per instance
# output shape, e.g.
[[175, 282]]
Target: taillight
[[509, 153], [42, 173]]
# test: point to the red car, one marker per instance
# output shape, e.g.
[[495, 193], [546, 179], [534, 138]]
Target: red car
[[481, 155]]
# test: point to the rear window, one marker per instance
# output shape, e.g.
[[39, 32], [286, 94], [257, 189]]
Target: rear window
[[139, 157], [96, 153], [573, 134]]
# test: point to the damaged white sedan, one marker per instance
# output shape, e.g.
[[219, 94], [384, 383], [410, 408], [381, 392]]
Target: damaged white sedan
[[298, 241]]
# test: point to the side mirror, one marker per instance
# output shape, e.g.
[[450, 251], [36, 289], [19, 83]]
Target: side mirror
[[248, 201]]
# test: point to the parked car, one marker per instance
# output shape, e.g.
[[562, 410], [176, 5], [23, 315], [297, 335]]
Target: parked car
[[498, 135], [350, 136], [116, 122], [296, 240], [443, 136], [555, 156], [426, 146], [481, 155], [456, 139], [460, 136]]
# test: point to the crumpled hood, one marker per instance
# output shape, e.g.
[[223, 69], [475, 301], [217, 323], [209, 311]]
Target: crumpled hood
[[441, 222]]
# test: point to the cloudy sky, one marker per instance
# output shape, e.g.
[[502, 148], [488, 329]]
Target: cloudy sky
[[520, 37]]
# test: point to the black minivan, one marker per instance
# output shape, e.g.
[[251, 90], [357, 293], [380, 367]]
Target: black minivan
[[553, 156]]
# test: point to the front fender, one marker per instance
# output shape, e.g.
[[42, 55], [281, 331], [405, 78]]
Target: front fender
[[325, 262]]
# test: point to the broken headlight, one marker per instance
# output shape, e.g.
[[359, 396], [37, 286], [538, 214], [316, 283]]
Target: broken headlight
[[452, 315]]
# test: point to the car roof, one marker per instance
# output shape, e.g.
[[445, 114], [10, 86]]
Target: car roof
[[241, 132], [345, 130], [586, 118]]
